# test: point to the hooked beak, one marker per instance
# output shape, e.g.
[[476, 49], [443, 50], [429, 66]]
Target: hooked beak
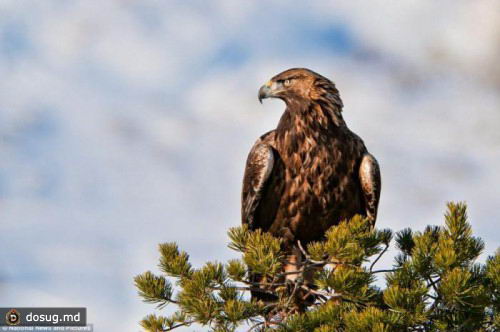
[[265, 91]]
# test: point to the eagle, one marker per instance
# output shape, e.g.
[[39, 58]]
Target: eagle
[[312, 171]]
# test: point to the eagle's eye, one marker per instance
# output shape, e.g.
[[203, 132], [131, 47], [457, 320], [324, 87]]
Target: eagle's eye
[[287, 82]]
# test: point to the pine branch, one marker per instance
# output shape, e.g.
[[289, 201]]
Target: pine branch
[[178, 325], [382, 271], [378, 257]]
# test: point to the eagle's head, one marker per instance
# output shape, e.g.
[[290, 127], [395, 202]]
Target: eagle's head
[[300, 85]]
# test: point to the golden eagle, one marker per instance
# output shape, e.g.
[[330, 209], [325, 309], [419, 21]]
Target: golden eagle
[[311, 172]]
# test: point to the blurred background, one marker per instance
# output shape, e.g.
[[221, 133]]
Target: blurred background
[[124, 124]]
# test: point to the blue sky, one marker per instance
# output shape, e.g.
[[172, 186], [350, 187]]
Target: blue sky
[[124, 124]]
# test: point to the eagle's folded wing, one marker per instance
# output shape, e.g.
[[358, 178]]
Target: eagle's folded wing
[[258, 169], [371, 183]]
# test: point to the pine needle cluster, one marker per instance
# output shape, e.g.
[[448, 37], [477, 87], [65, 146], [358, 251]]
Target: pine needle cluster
[[435, 283]]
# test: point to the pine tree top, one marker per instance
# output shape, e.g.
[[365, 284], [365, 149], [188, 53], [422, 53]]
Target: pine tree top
[[435, 283]]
